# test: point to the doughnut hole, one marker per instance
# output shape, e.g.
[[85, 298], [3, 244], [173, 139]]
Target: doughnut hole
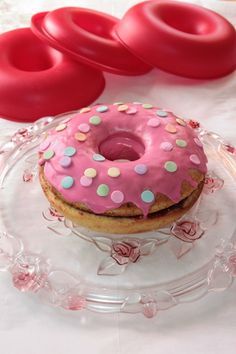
[[122, 147]]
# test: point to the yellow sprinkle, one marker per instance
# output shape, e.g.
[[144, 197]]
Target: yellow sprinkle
[[61, 127], [122, 108], [113, 172], [85, 110], [90, 172], [80, 137]]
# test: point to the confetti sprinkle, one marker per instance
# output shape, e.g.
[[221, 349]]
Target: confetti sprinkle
[[80, 137], [117, 197], [194, 159], [47, 155], [98, 157], [90, 172], [95, 120], [113, 172], [67, 182], [161, 113], [170, 166], [61, 127], [170, 128], [122, 108], [140, 169], [65, 161], [86, 181], [131, 110], [147, 196], [102, 109], [118, 103], [166, 146], [181, 122], [147, 105], [181, 143], [103, 190], [84, 128], [85, 110], [69, 151], [154, 122]]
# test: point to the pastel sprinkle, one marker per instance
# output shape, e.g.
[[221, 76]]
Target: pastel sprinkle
[[80, 137], [117, 197], [141, 169], [166, 146], [85, 110], [90, 172], [181, 143], [170, 166], [95, 120], [147, 105], [122, 108], [137, 102], [113, 172], [84, 128], [98, 157], [44, 145], [65, 161], [154, 122], [147, 196], [69, 151], [103, 190], [170, 128], [86, 181], [67, 182], [161, 113], [47, 155], [198, 142], [102, 109], [131, 110], [181, 122], [61, 127], [194, 159]]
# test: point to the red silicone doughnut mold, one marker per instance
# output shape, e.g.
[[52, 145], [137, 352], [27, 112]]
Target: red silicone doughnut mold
[[37, 80], [87, 36], [180, 38]]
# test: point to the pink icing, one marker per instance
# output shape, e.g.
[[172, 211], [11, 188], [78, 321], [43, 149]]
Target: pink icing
[[122, 136]]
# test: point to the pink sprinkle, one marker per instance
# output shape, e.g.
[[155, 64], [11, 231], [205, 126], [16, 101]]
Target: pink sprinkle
[[154, 122], [117, 197], [86, 181], [166, 146], [198, 142], [44, 145], [131, 110], [195, 159], [84, 128]]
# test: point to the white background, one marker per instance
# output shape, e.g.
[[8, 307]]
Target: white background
[[207, 326]]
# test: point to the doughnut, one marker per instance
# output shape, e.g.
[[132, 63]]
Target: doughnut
[[37, 80], [122, 168], [183, 39]]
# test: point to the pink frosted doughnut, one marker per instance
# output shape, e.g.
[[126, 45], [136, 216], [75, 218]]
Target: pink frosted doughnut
[[122, 158]]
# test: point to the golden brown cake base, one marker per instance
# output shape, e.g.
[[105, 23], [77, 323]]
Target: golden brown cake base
[[126, 219]]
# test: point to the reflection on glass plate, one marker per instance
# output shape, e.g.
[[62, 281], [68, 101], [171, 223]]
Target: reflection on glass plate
[[74, 268]]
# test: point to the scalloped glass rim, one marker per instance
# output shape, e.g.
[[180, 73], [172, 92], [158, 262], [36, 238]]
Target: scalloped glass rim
[[194, 284]]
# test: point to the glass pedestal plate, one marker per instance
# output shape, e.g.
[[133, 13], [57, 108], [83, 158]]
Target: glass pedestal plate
[[75, 268]]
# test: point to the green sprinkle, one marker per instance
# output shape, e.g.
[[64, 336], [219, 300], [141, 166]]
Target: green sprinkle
[[147, 196], [95, 120], [170, 166], [102, 190], [47, 155], [147, 105], [181, 143], [67, 182]]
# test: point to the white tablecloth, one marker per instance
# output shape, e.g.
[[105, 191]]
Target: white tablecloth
[[207, 326]]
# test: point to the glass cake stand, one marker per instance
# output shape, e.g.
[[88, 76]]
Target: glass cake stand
[[74, 268]]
